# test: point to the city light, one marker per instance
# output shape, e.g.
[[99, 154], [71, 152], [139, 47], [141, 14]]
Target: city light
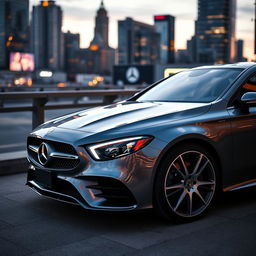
[[45, 3], [94, 47], [60, 85], [159, 17], [44, 73], [22, 81]]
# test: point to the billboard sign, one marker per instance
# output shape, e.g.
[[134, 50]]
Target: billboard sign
[[173, 71], [22, 61], [133, 74]]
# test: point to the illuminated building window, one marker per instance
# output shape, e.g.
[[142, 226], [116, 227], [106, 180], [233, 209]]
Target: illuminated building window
[[143, 41], [218, 30], [221, 16], [94, 47], [164, 47], [45, 3], [172, 45], [73, 60], [143, 62], [220, 62]]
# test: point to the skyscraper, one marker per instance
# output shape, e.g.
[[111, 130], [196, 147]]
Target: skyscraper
[[100, 56], [215, 31], [101, 25], [240, 51], [165, 26], [71, 48], [47, 38], [14, 29], [138, 43], [192, 49]]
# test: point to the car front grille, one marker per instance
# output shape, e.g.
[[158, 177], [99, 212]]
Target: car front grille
[[65, 158]]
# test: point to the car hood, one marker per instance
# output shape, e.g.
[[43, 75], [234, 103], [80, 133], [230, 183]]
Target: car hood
[[122, 114]]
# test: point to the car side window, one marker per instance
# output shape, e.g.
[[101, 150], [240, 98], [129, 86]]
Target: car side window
[[248, 86]]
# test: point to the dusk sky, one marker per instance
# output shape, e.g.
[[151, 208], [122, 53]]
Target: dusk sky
[[79, 18]]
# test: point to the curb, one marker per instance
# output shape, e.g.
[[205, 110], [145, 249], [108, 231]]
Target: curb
[[13, 162]]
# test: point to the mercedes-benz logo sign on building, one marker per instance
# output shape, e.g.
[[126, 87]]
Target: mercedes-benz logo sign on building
[[132, 75], [43, 154]]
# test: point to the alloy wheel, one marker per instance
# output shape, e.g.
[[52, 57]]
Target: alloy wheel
[[190, 184]]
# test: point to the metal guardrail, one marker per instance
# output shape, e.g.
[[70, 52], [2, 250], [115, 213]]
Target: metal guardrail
[[40, 99], [53, 87]]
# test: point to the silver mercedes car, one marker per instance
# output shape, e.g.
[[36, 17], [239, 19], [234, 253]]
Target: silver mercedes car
[[174, 146]]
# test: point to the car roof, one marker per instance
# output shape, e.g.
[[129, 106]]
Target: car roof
[[243, 65]]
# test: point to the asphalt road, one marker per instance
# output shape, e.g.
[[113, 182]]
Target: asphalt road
[[14, 128], [33, 225]]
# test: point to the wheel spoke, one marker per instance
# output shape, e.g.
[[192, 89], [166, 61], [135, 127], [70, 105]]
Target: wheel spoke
[[205, 183], [197, 164], [200, 196], [202, 168], [181, 198], [173, 192], [175, 186], [179, 171], [184, 165], [190, 203]]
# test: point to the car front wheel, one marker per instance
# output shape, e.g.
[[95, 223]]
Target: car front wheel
[[186, 183]]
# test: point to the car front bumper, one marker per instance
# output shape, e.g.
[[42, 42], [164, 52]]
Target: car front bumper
[[122, 184]]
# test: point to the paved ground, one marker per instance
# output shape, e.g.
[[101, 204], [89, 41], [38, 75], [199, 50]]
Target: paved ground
[[32, 225]]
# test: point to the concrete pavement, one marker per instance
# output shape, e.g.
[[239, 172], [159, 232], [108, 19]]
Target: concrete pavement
[[33, 225]]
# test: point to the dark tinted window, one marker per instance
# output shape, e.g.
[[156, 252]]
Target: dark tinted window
[[250, 85], [201, 85]]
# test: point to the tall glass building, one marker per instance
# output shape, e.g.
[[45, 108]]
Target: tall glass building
[[14, 28], [47, 38], [71, 47], [215, 31], [165, 26], [138, 43]]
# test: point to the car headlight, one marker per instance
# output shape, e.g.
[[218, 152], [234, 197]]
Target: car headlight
[[118, 148]]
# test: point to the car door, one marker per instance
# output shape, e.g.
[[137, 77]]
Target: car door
[[243, 125]]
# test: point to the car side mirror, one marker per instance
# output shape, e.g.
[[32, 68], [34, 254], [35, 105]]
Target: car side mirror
[[249, 98]]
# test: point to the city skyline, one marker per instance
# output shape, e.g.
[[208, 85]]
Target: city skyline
[[185, 11]]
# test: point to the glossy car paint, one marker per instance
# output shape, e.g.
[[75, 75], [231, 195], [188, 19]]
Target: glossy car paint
[[226, 131]]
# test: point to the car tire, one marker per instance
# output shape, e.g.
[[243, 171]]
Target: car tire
[[186, 183]]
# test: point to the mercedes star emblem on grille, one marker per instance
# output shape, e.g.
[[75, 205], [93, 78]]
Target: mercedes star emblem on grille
[[43, 154]]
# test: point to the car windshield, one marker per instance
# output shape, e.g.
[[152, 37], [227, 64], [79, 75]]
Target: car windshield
[[198, 85]]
